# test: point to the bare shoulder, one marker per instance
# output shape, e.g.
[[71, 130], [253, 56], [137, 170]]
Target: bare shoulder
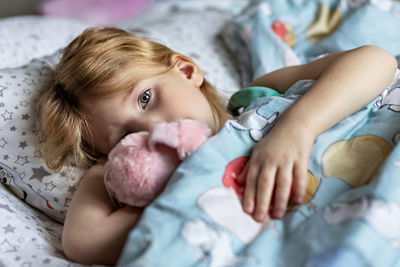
[[91, 195], [93, 177]]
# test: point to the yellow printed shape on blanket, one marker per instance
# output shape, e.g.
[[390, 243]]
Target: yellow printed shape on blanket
[[290, 38], [325, 23], [356, 160], [312, 187]]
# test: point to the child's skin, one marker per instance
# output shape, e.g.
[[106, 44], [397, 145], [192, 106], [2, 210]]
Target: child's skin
[[94, 232]]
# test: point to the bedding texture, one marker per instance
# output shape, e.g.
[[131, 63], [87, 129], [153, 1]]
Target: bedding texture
[[28, 37], [30, 230], [351, 211], [27, 236], [271, 34]]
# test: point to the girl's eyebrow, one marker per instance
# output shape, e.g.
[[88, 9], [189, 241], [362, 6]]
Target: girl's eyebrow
[[141, 84]]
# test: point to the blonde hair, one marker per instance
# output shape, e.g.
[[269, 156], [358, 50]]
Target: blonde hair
[[96, 64]]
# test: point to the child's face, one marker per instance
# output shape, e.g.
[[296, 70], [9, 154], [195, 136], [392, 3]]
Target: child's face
[[165, 98]]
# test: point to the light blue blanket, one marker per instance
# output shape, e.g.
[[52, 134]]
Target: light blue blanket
[[271, 34], [352, 213]]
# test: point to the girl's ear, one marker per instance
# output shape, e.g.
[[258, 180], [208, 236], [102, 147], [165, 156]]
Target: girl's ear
[[188, 68]]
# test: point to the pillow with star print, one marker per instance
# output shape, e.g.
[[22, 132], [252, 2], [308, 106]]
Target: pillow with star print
[[21, 168]]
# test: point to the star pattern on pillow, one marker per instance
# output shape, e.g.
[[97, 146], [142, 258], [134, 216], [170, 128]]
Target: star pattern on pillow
[[23, 170]]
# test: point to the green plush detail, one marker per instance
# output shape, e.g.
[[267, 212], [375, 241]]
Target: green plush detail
[[244, 97]]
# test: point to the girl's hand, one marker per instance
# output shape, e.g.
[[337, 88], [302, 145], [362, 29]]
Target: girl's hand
[[277, 170]]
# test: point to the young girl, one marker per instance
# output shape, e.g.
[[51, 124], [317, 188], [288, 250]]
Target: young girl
[[110, 83]]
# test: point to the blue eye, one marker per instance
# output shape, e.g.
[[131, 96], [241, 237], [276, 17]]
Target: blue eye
[[144, 98]]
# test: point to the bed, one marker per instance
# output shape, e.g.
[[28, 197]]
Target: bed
[[233, 42]]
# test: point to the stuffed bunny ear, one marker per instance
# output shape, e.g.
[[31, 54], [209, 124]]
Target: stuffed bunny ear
[[192, 134], [165, 134]]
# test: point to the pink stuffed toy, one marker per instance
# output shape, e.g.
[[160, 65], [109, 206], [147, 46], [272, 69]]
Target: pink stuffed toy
[[96, 12], [140, 165]]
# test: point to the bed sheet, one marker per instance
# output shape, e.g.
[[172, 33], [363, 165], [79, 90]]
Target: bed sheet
[[28, 37]]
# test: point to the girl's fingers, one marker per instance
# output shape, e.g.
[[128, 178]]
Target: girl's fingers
[[250, 189], [300, 182], [283, 186], [241, 179], [265, 186]]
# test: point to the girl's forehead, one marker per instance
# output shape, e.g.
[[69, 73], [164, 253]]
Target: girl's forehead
[[137, 73], [128, 82]]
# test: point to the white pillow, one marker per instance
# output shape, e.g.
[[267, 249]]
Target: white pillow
[[28, 237], [21, 169]]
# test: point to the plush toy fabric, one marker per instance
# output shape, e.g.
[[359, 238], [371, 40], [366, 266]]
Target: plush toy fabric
[[139, 166], [96, 12]]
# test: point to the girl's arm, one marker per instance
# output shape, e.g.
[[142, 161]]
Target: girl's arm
[[345, 82], [94, 232]]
